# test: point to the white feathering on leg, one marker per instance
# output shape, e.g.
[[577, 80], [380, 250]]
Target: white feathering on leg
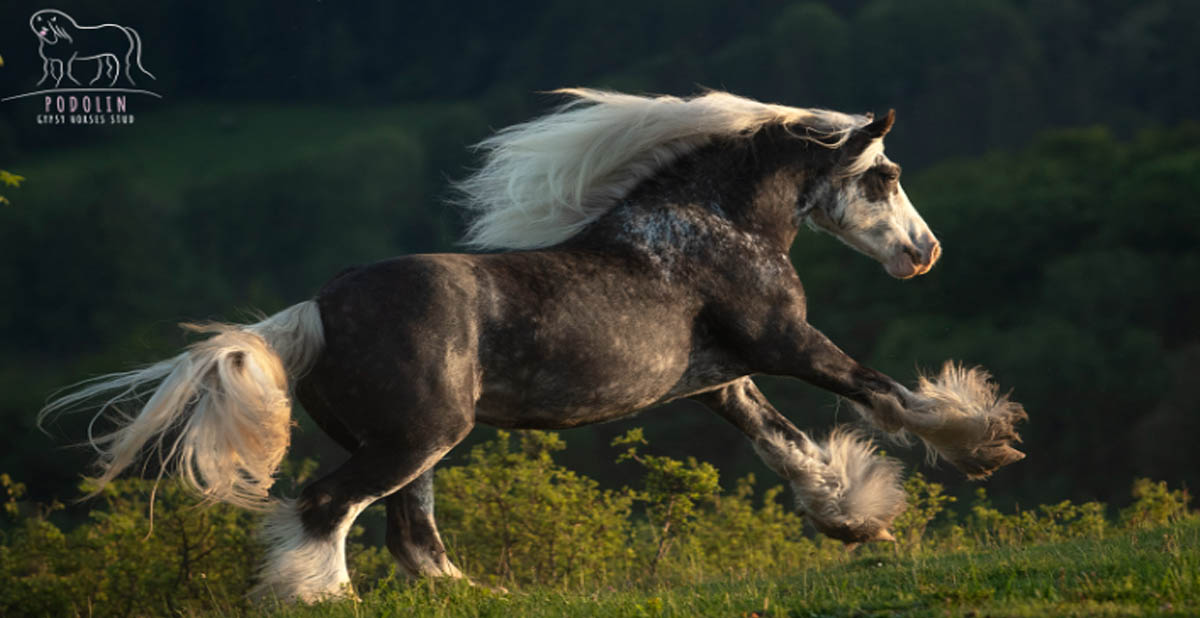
[[967, 421], [298, 566], [958, 414], [850, 493]]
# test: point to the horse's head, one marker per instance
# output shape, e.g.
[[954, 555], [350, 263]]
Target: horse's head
[[50, 25], [863, 205]]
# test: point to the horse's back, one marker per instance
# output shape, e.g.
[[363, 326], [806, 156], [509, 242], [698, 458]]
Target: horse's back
[[410, 307]]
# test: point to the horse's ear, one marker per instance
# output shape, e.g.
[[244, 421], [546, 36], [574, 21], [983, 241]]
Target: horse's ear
[[865, 135], [879, 128]]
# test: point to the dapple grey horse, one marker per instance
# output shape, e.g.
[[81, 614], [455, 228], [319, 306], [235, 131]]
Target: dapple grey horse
[[642, 257]]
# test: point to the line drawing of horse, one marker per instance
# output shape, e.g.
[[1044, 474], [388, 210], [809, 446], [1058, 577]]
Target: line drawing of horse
[[62, 42], [639, 254]]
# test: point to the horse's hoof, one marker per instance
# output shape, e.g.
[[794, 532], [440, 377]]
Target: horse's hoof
[[853, 538], [968, 422], [848, 491], [983, 461]]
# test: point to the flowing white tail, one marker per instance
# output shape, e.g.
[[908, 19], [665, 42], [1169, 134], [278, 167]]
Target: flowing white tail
[[219, 414]]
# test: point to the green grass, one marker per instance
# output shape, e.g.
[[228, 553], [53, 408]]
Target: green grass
[[1148, 573]]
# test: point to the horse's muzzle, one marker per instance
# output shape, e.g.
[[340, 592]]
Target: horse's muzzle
[[913, 260]]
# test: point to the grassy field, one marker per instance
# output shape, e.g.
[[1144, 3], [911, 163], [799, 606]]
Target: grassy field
[[1153, 572]]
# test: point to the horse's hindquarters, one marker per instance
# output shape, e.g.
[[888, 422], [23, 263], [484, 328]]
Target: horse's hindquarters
[[401, 349]]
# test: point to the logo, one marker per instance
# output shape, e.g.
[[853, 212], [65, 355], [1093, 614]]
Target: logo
[[90, 71]]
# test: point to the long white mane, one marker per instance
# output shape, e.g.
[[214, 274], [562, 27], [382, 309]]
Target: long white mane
[[543, 181]]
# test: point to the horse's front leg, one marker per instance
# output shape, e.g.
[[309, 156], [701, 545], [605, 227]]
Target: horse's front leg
[[848, 492], [958, 415]]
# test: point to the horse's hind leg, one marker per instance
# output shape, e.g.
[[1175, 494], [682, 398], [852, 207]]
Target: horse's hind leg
[[847, 491], [412, 534], [306, 537]]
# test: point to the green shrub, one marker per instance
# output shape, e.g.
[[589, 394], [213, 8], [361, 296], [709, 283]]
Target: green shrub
[[510, 516], [197, 559], [926, 500], [731, 538], [1048, 523], [1154, 505], [514, 516], [671, 491]]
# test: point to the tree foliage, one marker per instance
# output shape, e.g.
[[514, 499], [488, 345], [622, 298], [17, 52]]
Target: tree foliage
[[965, 76]]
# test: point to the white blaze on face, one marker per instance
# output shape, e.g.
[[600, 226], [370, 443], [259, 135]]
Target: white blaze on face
[[870, 212]]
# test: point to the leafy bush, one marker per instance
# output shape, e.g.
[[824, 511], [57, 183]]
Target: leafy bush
[[510, 516], [734, 539], [1049, 523], [671, 491], [196, 558], [513, 516], [1155, 505], [926, 500]]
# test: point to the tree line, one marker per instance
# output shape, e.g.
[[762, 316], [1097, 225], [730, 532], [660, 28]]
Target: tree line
[[1071, 262], [965, 76]]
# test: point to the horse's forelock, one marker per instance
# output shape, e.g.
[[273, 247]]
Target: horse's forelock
[[863, 160]]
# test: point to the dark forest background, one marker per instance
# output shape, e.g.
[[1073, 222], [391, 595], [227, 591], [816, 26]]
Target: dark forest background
[[1052, 146]]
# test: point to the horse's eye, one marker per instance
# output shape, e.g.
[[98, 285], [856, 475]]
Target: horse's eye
[[887, 175]]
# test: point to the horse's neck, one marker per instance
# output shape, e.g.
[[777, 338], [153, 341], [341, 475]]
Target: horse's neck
[[727, 192], [672, 235]]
